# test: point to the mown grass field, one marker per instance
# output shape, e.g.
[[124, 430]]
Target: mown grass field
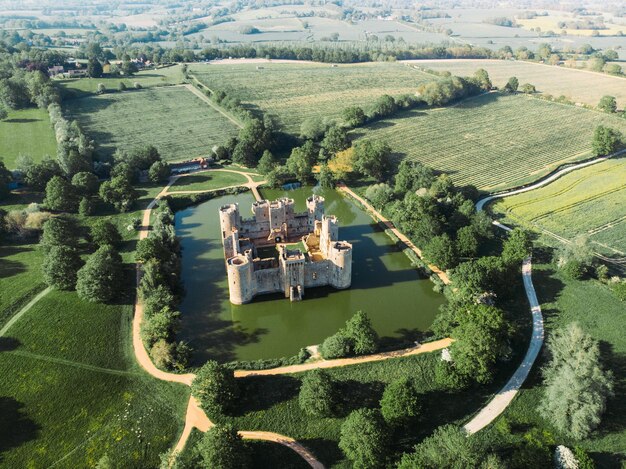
[[295, 92], [78, 87], [207, 181], [493, 141], [589, 201], [600, 314], [177, 122], [578, 85], [27, 132], [72, 393]]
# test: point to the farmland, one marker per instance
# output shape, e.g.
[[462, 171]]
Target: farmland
[[493, 141], [177, 122], [295, 92], [586, 202], [578, 85], [26, 132]]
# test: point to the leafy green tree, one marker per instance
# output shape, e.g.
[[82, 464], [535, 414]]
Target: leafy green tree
[[447, 447], [101, 279], [364, 338], [159, 171], [94, 68], [325, 177], [511, 85], [337, 346], [312, 128], [60, 265], [60, 195], [517, 246], [372, 158], [118, 192], [583, 458], [353, 116], [576, 385], [481, 338], [467, 242], [441, 251], [267, 162], [608, 104], [223, 448], [104, 232], [411, 176], [335, 140], [605, 140], [301, 161], [527, 88], [379, 194], [318, 394], [161, 325], [400, 403], [215, 388], [384, 106], [482, 77], [38, 174], [364, 439], [85, 183], [3, 112], [59, 231], [5, 179], [86, 207]]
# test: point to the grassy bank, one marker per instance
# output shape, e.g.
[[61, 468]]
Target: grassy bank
[[26, 132]]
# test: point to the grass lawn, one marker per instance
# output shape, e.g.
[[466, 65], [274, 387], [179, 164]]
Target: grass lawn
[[26, 132], [586, 202], [79, 87], [600, 314], [178, 123], [577, 85], [208, 181], [73, 393], [295, 92], [493, 141]]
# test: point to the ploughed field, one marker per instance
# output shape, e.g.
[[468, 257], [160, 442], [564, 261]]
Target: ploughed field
[[493, 141], [296, 92], [579, 86], [589, 201], [173, 119]]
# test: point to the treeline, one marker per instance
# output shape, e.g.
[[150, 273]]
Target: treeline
[[21, 88]]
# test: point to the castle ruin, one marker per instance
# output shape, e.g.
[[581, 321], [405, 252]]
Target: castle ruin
[[278, 250]]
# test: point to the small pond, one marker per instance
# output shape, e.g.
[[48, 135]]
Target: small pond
[[399, 302]]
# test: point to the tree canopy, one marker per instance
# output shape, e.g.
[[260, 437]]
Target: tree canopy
[[364, 438]]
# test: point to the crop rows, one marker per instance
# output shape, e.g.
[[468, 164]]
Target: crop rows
[[172, 119], [295, 92], [494, 141]]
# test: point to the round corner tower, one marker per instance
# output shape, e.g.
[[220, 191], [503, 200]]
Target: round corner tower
[[240, 283], [229, 219], [315, 208], [341, 257]]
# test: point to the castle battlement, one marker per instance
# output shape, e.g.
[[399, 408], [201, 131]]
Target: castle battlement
[[279, 250]]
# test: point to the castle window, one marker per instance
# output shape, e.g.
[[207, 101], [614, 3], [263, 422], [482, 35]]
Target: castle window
[[314, 275]]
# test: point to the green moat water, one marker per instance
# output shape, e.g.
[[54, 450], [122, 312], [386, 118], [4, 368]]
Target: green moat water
[[384, 285]]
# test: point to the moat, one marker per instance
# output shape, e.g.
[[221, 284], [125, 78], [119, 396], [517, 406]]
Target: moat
[[384, 284]]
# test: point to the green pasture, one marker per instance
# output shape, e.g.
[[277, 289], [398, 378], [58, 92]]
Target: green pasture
[[27, 132], [588, 201], [177, 122], [296, 92], [208, 181], [493, 141]]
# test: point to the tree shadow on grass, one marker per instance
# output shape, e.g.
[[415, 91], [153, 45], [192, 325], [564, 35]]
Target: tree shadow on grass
[[8, 344], [16, 428], [22, 121], [263, 392], [327, 451], [356, 395], [614, 420]]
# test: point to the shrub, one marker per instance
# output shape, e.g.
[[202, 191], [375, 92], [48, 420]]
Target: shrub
[[336, 346]]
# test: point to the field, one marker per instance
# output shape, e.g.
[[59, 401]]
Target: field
[[72, 392], [208, 181], [295, 92], [578, 85], [493, 141], [26, 132], [177, 122], [589, 201]]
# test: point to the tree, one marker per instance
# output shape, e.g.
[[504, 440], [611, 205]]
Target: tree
[[608, 104], [363, 336], [312, 128], [121, 86], [318, 394], [372, 158], [104, 232], [364, 439], [118, 192], [576, 385], [60, 265], [94, 68], [159, 171], [482, 77], [267, 163], [400, 403], [3, 113], [605, 141], [336, 346], [517, 246], [161, 325], [511, 85], [335, 140], [325, 177], [85, 183], [467, 241], [101, 88], [379, 194], [353, 116], [481, 338], [59, 231], [5, 178], [223, 448], [101, 279], [441, 251], [60, 195], [527, 88], [448, 447], [301, 161], [38, 174], [411, 176], [384, 106], [215, 388]]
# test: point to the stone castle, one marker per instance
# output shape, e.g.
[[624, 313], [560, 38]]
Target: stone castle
[[278, 250]]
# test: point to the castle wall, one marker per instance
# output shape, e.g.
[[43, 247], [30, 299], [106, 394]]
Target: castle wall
[[268, 281], [317, 274]]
